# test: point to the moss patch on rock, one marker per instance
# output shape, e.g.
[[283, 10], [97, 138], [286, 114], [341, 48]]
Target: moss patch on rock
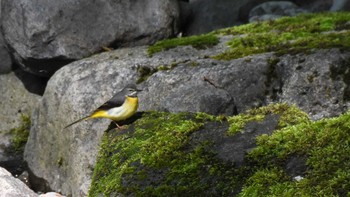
[[199, 42], [164, 154], [20, 134], [325, 144], [288, 35], [156, 158], [289, 115], [285, 35]]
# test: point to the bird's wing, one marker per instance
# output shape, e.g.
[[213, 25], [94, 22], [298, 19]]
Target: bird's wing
[[115, 101]]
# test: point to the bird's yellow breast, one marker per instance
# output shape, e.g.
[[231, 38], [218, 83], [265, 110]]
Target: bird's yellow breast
[[122, 112]]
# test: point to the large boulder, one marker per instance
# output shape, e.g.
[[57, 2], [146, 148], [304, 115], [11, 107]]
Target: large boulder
[[182, 78], [269, 151], [73, 92], [316, 82], [45, 35], [170, 151]]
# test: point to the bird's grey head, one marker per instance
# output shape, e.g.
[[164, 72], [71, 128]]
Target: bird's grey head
[[131, 90]]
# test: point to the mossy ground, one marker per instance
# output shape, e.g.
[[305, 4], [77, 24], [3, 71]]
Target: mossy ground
[[283, 36], [198, 41], [156, 159], [289, 35], [156, 156], [326, 145]]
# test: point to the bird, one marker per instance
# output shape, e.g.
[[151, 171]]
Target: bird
[[120, 107]]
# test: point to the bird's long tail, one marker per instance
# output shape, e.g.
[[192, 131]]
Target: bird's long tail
[[81, 119]]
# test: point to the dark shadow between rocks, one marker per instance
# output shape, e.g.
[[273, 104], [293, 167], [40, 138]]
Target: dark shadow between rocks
[[34, 84]]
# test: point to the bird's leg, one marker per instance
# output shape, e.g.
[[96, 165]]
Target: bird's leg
[[119, 127]]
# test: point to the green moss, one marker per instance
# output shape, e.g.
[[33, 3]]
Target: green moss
[[288, 35], [268, 182], [285, 35], [60, 161], [198, 41], [289, 115], [159, 150], [326, 145], [164, 154], [207, 117], [145, 73], [20, 134]]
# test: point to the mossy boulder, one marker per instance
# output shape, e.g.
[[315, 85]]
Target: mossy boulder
[[285, 35], [192, 79], [164, 154]]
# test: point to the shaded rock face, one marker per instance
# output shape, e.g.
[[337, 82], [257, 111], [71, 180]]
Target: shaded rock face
[[274, 9], [315, 5], [207, 15], [43, 36], [6, 62], [340, 5]]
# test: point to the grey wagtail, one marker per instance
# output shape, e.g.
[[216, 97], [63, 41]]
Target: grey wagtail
[[120, 107]]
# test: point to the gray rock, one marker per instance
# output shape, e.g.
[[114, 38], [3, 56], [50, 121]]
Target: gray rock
[[194, 83], [340, 5], [75, 91], [45, 35], [15, 101], [208, 15], [274, 9], [6, 62], [211, 86], [318, 83], [315, 5], [240, 144], [12, 187]]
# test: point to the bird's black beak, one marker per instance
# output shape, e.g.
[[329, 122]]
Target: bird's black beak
[[138, 90]]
